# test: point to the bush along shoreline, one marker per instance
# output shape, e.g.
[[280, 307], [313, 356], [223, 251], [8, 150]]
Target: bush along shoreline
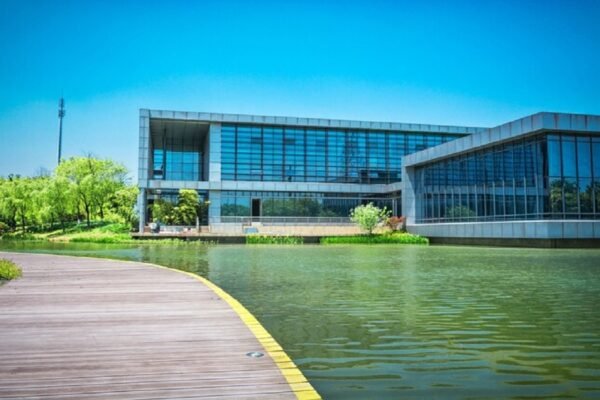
[[266, 239], [383, 238]]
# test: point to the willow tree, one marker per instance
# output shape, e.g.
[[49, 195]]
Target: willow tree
[[94, 182]]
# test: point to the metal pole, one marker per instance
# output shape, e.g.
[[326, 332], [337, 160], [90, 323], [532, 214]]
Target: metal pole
[[61, 114]]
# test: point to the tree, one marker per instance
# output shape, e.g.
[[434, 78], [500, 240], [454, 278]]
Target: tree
[[59, 200], [94, 181], [163, 211], [21, 192], [368, 216], [122, 203], [186, 210], [8, 208], [110, 178]]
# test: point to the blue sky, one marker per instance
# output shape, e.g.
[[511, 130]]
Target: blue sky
[[461, 63]]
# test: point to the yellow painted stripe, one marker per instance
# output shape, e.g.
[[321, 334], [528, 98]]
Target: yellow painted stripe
[[294, 377]]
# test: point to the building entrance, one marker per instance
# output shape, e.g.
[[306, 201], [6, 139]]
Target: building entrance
[[255, 209]]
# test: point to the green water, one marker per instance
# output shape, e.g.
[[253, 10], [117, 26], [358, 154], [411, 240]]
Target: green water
[[410, 322]]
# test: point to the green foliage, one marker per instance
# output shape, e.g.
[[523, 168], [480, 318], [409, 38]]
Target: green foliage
[[58, 200], [4, 228], [174, 242], [163, 211], [94, 182], [386, 238], [18, 199], [122, 203], [20, 236], [98, 237], [85, 187], [186, 210], [459, 212], [368, 216], [265, 239], [114, 228], [9, 270]]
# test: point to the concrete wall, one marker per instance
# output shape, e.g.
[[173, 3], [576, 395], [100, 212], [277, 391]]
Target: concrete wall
[[540, 229]]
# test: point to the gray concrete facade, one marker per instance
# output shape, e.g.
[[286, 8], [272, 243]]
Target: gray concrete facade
[[526, 229]]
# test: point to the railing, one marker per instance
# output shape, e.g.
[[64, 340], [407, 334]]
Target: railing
[[289, 220], [177, 229]]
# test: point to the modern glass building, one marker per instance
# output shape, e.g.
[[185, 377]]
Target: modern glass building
[[537, 177], [277, 169], [249, 168]]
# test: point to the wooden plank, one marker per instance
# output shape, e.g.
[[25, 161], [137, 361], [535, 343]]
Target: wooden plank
[[95, 328]]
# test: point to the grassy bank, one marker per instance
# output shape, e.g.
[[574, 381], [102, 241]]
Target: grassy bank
[[265, 239], [98, 233], [383, 238], [112, 233], [8, 270]]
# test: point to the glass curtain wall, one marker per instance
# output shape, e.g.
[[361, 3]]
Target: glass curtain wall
[[301, 204], [296, 154], [555, 176], [172, 196], [178, 158]]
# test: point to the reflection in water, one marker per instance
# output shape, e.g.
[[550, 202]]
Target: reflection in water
[[409, 321]]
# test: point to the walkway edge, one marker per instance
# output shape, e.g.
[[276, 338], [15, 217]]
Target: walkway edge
[[295, 378]]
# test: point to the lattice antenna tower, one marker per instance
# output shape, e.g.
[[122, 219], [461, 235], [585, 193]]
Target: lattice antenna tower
[[61, 114]]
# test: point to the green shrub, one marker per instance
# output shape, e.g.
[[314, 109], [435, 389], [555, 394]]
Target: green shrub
[[386, 238], [4, 228], [19, 236], [265, 239], [100, 238], [9, 270]]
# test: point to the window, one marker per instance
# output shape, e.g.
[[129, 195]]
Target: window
[[547, 176], [270, 153]]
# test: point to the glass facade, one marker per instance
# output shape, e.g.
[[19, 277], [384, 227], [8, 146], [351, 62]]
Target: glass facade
[[172, 196], [548, 176], [177, 157], [296, 154], [300, 204]]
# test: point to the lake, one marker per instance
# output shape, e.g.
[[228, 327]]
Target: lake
[[411, 322]]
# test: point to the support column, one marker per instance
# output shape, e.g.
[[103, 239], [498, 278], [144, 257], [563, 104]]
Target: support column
[[214, 173], [409, 203], [214, 208], [142, 205], [143, 166], [214, 151]]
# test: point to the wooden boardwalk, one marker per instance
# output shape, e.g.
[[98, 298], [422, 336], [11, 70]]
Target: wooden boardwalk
[[74, 328]]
